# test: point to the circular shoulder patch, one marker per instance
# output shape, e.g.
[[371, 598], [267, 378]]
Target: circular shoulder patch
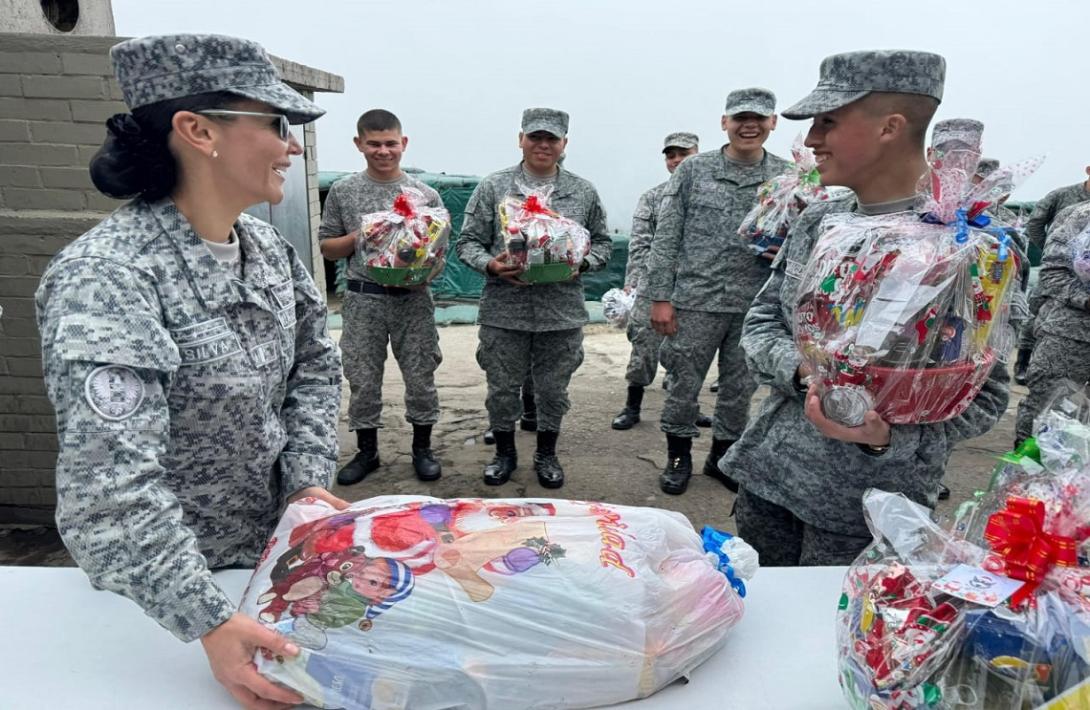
[[114, 392]]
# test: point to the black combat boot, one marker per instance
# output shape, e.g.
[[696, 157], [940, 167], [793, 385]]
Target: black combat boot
[[364, 462], [1021, 366], [679, 465], [711, 464], [528, 420], [630, 415], [425, 464], [504, 462], [546, 465]]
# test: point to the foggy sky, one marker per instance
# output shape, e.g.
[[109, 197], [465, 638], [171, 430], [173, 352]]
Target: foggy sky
[[459, 73]]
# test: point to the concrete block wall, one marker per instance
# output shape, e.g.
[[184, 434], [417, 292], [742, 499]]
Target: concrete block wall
[[55, 94]]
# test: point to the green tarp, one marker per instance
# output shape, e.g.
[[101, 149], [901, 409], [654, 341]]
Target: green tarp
[[458, 281]]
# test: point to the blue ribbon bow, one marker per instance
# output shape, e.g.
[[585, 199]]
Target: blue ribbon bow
[[713, 543]]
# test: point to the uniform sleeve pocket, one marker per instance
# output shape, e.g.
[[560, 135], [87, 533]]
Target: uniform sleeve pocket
[[132, 340]]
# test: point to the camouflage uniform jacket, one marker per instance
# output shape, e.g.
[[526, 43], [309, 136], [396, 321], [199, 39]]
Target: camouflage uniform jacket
[[782, 458], [190, 404], [1065, 311], [1049, 207], [698, 261], [542, 307], [352, 197], [644, 222]]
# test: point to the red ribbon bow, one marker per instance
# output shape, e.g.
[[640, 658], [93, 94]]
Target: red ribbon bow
[[533, 205], [1017, 534], [403, 206]]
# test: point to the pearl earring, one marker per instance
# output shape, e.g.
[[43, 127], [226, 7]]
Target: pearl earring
[[215, 154]]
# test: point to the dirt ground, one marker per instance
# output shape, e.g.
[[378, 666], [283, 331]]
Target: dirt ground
[[601, 464]]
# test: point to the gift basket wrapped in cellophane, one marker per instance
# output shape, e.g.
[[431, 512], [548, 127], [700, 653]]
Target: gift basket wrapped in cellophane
[[993, 614], [907, 313], [407, 244]]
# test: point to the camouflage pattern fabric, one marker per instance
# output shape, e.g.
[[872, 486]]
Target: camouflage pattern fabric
[[540, 307], [782, 458], [190, 404], [549, 357], [407, 324]]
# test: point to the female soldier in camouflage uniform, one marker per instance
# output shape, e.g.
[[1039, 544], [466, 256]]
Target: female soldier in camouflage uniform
[[185, 348]]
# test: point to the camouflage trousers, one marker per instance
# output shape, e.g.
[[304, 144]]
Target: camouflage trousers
[[687, 355], [550, 358], [782, 540], [1027, 339], [644, 360], [407, 324], [1054, 360]]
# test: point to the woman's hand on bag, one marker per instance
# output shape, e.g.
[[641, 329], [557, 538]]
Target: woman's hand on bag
[[230, 648], [874, 431], [321, 494]]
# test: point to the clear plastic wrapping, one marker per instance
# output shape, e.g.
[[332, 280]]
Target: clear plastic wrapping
[[549, 246], [906, 313], [781, 199], [617, 305], [422, 603], [993, 615], [407, 244]]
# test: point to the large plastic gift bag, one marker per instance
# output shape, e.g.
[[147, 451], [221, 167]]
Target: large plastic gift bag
[[549, 246], [617, 306], [422, 603], [781, 199], [907, 313], [407, 244]]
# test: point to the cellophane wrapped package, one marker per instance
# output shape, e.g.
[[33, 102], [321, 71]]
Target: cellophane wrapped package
[[617, 306], [781, 199], [407, 244], [993, 614], [549, 246], [907, 313], [422, 603]]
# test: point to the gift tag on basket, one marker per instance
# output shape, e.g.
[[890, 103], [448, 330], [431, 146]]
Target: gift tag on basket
[[977, 585]]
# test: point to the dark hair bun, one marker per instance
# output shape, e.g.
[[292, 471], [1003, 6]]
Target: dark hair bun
[[132, 162]]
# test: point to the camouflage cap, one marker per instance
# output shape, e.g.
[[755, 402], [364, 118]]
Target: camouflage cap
[[680, 140], [957, 134], [751, 100], [848, 77], [986, 167], [160, 68], [549, 120]]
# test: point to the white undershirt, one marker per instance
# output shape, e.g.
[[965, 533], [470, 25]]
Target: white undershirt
[[226, 253]]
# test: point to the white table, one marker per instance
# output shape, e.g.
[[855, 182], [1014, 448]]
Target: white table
[[65, 645]]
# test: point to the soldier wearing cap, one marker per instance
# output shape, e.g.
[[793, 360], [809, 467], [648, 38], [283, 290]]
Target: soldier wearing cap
[[378, 317], [802, 475], [530, 329], [1045, 214], [701, 279], [644, 360], [185, 348]]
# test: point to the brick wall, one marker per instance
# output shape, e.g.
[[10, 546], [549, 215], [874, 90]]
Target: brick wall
[[55, 94]]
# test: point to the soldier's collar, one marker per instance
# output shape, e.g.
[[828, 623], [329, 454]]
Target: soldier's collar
[[211, 279]]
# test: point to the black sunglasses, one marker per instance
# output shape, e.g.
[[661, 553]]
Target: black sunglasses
[[283, 127]]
